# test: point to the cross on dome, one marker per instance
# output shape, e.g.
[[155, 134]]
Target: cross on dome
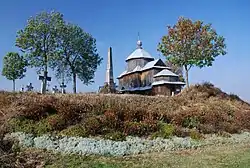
[[139, 44]]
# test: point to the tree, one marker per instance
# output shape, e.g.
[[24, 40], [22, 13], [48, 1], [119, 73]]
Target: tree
[[190, 44], [176, 69], [107, 89], [78, 55], [14, 67], [38, 41]]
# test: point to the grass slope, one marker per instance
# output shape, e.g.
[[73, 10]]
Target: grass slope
[[202, 109], [213, 157]]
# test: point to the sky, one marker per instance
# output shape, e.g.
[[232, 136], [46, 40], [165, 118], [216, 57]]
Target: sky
[[116, 23]]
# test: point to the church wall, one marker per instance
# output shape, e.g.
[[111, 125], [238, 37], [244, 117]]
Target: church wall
[[167, 78], [162, 90], [157, 70], [131, 64], [165, 89], [147, 77], [130, 81]]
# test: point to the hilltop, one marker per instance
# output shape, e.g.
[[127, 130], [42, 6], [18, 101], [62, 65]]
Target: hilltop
[[203, 109]]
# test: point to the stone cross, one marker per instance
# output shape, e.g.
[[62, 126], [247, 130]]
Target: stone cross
[[63, 86], [44, 80], [29, 87], [22, 89], [55, 89]]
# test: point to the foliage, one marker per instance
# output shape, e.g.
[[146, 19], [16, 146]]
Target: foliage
[[202, 107], [237, 156], [191, 43], [14, 67], [234, 97], [165, 130], [190, 122], [29, 126], [42, 127], [75, 130], [194, 134], [92, 125], [37, 111], [111, 120], [21, 125], [48, 41], [56, 121], [38, 40], [78, 55], [115, 136], [138, 128], [107, 89]]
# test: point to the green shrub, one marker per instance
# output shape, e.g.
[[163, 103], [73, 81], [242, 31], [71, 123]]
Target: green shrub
[[75, 130], [42, 127], [165, 130], [107, 89], [115, 136], [234, 97], [21, 124], [194, 134], [56, 122], [190, 122]]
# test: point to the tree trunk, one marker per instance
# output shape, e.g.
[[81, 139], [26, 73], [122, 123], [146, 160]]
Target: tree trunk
[[45, 74], [74, 82], [14, 85], [186, 76]]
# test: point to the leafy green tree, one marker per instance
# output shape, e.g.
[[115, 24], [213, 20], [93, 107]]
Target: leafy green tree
[[190, 44], [78, 56], [38, 41], [14, 67]]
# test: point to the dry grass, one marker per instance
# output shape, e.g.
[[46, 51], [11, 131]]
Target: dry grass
[[210, 156], [203, 107]]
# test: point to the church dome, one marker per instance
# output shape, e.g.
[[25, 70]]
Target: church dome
[[139, 53]]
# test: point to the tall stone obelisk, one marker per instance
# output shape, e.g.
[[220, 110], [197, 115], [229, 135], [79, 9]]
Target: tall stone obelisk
[[109, 71]]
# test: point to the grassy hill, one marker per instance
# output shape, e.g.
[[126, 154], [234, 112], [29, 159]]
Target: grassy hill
[[202, 109]]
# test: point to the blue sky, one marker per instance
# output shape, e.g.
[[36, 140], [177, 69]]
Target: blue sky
[[115, 23]]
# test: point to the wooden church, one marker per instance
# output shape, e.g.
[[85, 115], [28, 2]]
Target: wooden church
[[148, 76]]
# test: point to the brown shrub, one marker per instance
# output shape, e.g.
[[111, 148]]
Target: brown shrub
[[34, 106], [57, 122], [139, 128], [93, 125], [203, 107], [242, 119], [111, 120], [207, 128], [181, 132]]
